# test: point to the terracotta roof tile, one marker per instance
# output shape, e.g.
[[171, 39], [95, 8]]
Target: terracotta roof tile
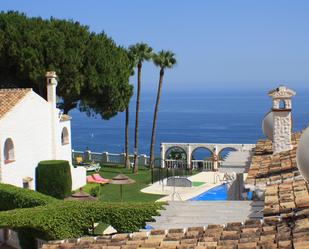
[[10, 97], [272, 233], [268, 169], [65, 117]]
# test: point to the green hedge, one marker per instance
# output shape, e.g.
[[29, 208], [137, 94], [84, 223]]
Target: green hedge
[[12, 197], [54, 178], [71, 219]]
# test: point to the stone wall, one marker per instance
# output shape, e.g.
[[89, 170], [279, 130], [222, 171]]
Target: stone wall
[[282, 131]]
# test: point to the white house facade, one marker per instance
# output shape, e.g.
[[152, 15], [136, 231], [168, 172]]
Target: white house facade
[[31, 130]]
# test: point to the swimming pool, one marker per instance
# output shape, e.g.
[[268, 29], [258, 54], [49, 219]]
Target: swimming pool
[[218, 193]]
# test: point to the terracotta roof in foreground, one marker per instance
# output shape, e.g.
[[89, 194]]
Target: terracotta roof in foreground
[[268, 169], [271, 233], [286, 199], [11, 97]]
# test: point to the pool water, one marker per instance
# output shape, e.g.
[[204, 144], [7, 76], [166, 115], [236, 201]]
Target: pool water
[[218, 193]]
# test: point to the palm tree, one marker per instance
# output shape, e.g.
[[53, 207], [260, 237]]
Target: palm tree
[[164, 59], [127, 159], [138, 53]]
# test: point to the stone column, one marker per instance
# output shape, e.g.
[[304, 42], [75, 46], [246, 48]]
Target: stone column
[[123, 158], [87, 155], [215, 156], [162, 156], [282, 118], [189, 152], [105, 157], [282, 131], [143, 160]]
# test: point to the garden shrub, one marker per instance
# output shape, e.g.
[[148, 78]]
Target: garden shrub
[[12, 197], [94, 190], [55, 219], [53, 178], [72, 219]]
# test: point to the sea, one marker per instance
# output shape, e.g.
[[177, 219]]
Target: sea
[[205, 116]]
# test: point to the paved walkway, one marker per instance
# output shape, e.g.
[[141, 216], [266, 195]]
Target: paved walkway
[[236, 161], [201, 213], [210, 179]]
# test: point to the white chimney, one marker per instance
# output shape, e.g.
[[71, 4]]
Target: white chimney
[[51, 79], [282, 118]]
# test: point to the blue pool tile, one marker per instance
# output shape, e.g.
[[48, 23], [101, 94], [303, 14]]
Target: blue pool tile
[[218, 193]]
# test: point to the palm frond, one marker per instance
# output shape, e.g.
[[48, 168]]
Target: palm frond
[[164, 59], [140, 52]]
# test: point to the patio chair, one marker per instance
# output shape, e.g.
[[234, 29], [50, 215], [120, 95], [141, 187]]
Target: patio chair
[[79, 160], [97, 177], [90, 179]]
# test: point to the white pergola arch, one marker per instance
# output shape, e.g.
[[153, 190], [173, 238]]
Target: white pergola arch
[[189, 148]]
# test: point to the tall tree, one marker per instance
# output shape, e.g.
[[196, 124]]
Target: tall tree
[[108, 92], [31, 46], [164, 59], [138, 53]]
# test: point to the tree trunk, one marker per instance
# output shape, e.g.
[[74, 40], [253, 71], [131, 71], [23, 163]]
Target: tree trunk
[[127, 159], [155, 117], [43, 90], [68, 106], [139, 67]]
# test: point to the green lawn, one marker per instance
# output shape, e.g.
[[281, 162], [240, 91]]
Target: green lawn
[[197, 184], [131, 192]]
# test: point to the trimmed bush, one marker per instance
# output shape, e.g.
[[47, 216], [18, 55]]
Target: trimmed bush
[[94, 190], [12, 197], [53, 178], [72, 219]]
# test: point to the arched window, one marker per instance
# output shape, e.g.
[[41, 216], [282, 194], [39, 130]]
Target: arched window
[[65, 136], [9, 154], [282, 104]]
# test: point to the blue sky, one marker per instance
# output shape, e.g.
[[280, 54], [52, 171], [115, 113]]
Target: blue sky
[[223, 43]]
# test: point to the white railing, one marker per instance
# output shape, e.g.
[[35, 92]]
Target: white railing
[[143, 160], [108, 158], [205, 165], [171, 163]]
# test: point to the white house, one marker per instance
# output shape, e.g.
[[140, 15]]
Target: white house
[[31, 130]]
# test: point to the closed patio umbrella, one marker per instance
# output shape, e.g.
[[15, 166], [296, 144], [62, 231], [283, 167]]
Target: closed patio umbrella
[[81, 196], [121, 179]]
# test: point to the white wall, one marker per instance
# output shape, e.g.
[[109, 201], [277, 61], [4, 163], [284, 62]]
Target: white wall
[[78, 177], [29, 125], [63, 152]]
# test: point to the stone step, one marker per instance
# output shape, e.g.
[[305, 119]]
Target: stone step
[[237, 158], [201, 213], [177, 204], [201, 219], [174, 225]]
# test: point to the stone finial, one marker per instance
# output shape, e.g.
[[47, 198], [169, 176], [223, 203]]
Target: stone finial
[[281, 97], [51, 74]]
